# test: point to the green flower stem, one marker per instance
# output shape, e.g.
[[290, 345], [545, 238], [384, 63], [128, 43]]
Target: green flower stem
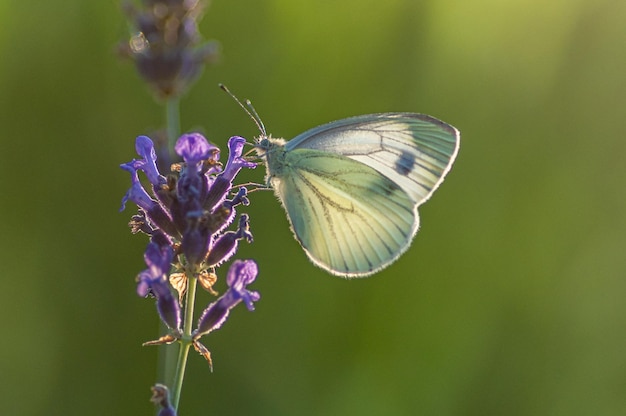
[[172, 122], [185, 342], [172, 125]]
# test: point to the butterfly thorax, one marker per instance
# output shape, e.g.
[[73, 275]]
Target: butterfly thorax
[[272, 151]]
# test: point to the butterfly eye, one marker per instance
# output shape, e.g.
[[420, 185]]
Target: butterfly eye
[[263, 144]]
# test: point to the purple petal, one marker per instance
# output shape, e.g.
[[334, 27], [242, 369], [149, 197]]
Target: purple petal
[[194, 148], [154, 280], [213, 317], [136, 193], [169, 310], [143, 285], [235, 161], [241, 273], [145, 149], [158, 259]]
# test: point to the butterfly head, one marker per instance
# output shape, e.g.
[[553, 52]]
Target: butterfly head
[[266, 144]]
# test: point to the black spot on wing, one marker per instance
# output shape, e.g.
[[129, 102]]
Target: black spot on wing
[[405, 163]]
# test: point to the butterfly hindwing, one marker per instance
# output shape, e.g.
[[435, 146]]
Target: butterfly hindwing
[[350, 220]]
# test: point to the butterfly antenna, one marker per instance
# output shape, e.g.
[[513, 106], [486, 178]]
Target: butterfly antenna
[[248, 108], [256, 117]]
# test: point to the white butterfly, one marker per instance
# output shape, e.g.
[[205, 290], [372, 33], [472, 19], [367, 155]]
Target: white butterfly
[[351, 188]]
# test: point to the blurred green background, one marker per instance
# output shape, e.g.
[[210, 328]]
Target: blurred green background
[[510, 301]]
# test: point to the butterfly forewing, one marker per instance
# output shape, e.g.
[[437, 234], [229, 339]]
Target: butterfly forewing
[[414, 150]]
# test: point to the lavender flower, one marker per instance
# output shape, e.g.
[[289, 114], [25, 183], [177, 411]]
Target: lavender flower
[[167, 47], [187, 214]]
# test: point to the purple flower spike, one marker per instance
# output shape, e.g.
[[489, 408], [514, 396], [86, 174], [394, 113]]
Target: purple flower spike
[[167, 47], [240, 274], [194, 148], [186, 215]]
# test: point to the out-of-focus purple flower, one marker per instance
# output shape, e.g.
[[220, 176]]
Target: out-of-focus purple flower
[[161, 397], [167, 47], [240, 274]]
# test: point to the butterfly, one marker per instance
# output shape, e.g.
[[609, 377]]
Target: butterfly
[[351, 188]]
